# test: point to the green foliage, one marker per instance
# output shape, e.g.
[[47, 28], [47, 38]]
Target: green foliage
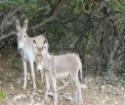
[[2, 94], [25, 7], [58, 34], [79, 6], [91, 25], [117, 6]]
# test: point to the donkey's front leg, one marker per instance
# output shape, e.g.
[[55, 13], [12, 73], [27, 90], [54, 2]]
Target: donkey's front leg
[[54, 87], [25, 74], [47, 88], [33, 74]]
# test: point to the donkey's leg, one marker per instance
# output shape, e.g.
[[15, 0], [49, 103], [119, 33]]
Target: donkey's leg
[[42, 79], [78, 93], [33, 74], [54, 87], [47, 88], [25, 74], [78, 89]]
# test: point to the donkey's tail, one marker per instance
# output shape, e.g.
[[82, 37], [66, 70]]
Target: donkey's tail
[[80, 71]]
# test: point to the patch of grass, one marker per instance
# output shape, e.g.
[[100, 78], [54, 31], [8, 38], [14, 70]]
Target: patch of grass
[[2, 94]]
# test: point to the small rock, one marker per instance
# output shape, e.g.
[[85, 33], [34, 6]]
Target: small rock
[[115, 93], [50, 94], [68, 98], [103, 87], [34, 93], [18, 97], [84, 86], [37, 104]]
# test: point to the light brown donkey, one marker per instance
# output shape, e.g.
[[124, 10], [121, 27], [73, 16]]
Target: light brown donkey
[[59, 67]]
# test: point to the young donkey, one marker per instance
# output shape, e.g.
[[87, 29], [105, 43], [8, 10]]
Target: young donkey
[[58, 67], [26, 50]]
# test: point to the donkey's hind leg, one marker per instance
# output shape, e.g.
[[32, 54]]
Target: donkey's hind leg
[[77, 92]]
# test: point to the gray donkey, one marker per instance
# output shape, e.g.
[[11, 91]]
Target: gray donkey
[[59, 67], [26, 50]]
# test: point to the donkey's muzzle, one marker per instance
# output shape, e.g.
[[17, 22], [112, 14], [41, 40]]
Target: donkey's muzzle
[[39, 67]]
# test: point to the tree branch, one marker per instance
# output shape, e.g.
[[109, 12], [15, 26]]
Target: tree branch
[[43, 23], [52, 14], [56, 9], [7, 35], [49, 4]]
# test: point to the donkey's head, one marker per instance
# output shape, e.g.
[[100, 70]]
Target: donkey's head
[[41, 52], [21, 33]]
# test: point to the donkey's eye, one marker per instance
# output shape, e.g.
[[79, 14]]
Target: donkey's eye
[[44, 47], [24, 36]]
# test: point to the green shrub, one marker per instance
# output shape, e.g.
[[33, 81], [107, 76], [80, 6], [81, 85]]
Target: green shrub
[[2, 94]]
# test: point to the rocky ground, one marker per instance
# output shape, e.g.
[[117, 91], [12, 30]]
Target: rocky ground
[[99, 90]]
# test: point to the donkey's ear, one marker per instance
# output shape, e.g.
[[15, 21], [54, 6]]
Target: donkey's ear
[[34, 43], [18, 27], [25, 25], [45, 45]]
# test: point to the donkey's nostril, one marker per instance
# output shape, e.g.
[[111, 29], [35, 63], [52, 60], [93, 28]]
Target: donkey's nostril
[[20, 45]]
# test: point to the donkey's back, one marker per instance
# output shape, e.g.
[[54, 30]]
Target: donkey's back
[[67, 64]]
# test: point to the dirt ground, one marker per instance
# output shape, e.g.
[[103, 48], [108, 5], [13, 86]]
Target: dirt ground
[[99, 91]]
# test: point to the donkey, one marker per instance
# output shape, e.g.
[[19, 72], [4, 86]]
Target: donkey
[[59, 67], [24, 43]]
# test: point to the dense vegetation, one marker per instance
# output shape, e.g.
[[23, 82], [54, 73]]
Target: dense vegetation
[[93, 28]]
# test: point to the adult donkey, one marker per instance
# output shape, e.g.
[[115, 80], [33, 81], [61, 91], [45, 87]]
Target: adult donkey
[[25, 48]]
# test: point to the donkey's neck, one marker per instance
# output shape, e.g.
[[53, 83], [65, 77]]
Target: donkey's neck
[[48, 57], [27, 51], [49, 60]]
